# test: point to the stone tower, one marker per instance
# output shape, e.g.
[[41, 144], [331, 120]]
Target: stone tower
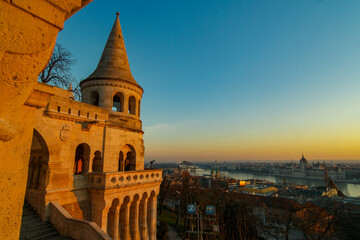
[[88, 157], [111, 85]]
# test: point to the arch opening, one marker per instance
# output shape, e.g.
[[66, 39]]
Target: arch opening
[[118, 102], [38, 173], [38, 164], [94, 98], [82, 156], [127, 158]]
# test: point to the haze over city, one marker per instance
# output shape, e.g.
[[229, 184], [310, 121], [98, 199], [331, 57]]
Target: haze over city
[[235, 80]]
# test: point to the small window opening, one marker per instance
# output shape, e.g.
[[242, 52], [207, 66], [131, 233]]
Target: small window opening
[[79, 113], [132, 105], [118, 101], [58, 109], [69, 111], [94, 98], [95, 116], [88, 114]]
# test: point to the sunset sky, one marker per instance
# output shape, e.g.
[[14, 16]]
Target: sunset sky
[[235, 80]]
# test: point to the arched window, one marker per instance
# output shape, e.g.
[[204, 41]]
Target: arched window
[[118, 102], [97, 162], [129, 163], [132, 105], [94, 98], [82, 156], [139, 108], [38, 164]]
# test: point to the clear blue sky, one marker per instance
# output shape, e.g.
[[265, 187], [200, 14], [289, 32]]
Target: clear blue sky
[[235, 80]]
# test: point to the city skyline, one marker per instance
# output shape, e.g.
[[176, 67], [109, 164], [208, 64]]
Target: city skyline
[[247, 80]]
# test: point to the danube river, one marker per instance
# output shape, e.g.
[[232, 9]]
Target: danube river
[[349, 189]]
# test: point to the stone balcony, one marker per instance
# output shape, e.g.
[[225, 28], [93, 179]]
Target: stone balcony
[[110, 180]]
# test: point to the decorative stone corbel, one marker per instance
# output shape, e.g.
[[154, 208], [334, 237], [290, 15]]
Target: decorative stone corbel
[[85, 126], [7, 132]]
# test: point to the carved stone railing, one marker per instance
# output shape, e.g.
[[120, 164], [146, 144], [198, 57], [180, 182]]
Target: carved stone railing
[[123, 179], [74, 228]]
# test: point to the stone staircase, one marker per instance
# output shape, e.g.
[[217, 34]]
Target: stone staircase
[[33, 228]]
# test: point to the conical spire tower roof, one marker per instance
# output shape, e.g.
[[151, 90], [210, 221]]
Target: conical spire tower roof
[[114, 62]]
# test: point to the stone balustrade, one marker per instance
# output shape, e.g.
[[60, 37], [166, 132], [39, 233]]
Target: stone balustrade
[[123, 179], [74, 228]]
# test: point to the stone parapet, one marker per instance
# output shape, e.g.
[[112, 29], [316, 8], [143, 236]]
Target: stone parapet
[[74, 228], [122, 120], [69, 109], [123, 179]]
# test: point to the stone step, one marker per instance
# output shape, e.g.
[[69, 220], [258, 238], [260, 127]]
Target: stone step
[[38, 234], [58, 238], [38, 228], [47, 236], [27, 209], [30, 224], [32, 228], [29, 217], [27, 213]]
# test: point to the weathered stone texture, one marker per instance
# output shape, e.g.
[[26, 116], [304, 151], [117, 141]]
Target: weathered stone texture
[[28, 31]]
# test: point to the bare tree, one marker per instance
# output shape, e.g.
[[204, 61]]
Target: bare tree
[[164, 188], [58, 70], [236, 219]]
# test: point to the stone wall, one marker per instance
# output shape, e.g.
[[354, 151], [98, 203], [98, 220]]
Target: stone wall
[[27, 38]]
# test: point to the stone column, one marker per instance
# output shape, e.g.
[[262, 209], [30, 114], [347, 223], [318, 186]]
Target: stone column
[[134, 220], [106, 98], [35, 176], [99, 213], [126, 104], [136, 108], [124, 221], [152, 204], [114, 221], [30, 175], [144, 235]]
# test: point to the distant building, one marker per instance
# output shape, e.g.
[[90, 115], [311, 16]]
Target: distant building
[[303, 162]]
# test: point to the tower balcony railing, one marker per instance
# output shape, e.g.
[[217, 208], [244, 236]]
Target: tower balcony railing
[[108, 180]]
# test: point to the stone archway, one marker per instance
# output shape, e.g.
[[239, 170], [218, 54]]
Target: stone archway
[[82, 157], [38, 172], [127, 157]]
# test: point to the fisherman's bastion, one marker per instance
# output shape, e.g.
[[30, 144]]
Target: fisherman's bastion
[[78, 165]]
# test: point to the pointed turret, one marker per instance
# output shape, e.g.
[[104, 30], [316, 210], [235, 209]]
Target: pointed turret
[[114, 62], [111, 85]]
